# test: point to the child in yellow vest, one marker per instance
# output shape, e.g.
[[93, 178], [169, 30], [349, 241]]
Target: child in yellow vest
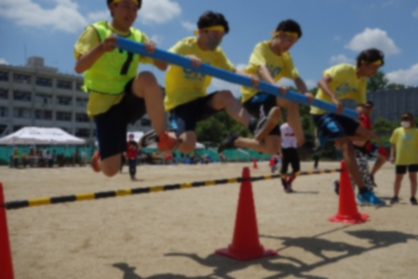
[[271, 61], [340, 82], [118, 95], [404, 153]]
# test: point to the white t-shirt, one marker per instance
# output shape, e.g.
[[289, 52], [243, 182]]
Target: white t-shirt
[[288, 136]]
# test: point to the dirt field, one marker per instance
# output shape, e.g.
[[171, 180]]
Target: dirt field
[[174, 234]]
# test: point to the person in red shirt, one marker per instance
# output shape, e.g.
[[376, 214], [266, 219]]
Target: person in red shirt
[[368, 147], [132, 155]]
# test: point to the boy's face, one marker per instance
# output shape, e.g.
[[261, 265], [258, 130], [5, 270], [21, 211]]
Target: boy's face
[[124, 13], [212, 38], [369, 70], [286, 41]]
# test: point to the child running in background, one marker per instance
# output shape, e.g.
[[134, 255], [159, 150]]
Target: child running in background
[[404, 153]]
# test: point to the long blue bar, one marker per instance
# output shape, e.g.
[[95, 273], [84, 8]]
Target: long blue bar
[[184, 62]]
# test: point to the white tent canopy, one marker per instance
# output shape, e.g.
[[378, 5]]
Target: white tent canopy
[[37, 135], [197, 146]]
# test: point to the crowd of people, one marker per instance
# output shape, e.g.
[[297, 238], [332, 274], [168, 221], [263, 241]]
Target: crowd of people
[[37, 157]]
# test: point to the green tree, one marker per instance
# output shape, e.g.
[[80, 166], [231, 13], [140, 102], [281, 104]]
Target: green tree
[[377, 82], [395, 86]]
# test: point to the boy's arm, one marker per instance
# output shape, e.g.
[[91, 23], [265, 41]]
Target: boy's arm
[[266, 76], [301, 86], [323, 84], [392, 152], [85, 61]]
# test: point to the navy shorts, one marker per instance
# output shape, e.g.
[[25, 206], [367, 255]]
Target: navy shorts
[[112, 125], [401, 169], [332, 126], [184, 117], [260, 105]]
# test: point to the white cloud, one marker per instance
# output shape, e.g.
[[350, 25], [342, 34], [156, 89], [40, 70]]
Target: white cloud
[[407, 77], [66, 17], [158, 11], [189, 25], [338, 59], [415, 13], [3, 61], [100, 15], [376, 38], [158, 39]]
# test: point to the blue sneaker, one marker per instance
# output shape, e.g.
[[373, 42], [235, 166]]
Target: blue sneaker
[[369, 198]]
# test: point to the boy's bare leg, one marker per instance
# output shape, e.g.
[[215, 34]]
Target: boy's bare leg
[[293, 118], [398, 181], [270, 145], [111, 165], [413, 179], [350, 161], [146, 87]]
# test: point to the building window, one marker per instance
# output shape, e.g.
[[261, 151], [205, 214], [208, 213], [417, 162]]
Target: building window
[[82, 133], [81, 117], [81, 102], [44, 81], [64, 84], [79, 86], [19, 78], [4, 76], [63, 116], [4, 112], [4, 94], [145, 122], [63, 101], [17, 128], [22, 96], [43, 99], [22, 113], [43, 114]]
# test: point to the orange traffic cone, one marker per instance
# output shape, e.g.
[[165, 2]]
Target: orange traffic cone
[[6, 266], [245, 244], [347, 209], [255, 164]]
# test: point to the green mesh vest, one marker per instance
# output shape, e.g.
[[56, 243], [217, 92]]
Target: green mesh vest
[[110, 73]]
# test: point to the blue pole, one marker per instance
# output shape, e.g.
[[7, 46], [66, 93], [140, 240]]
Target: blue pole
[[184, 62]]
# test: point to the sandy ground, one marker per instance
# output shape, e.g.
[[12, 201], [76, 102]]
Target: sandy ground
[[174, 234]]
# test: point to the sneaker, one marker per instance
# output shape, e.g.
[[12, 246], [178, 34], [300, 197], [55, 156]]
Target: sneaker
[[228, 142], [165, 143], [147, 139], [288, 189], [413, 201], [337, 187], [369, 198], [95, 162], [394, 200], [264, 125]]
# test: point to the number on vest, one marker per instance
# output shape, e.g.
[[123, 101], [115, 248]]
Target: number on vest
[[125, 67]]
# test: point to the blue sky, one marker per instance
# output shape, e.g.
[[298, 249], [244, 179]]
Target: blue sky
[[334, 30]]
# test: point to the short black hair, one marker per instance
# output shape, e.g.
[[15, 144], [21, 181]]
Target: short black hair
[[289, 25], [209, 19], [370, 55], [370, 104], [139, 3]]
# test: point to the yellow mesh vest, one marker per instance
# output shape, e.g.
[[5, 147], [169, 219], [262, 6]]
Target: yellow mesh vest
[[110, 73]]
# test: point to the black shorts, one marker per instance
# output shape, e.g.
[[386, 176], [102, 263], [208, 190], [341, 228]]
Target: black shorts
[[401, 169], [332, 126], [112, 125], [260, 105], [290, 156], [184, 117]]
